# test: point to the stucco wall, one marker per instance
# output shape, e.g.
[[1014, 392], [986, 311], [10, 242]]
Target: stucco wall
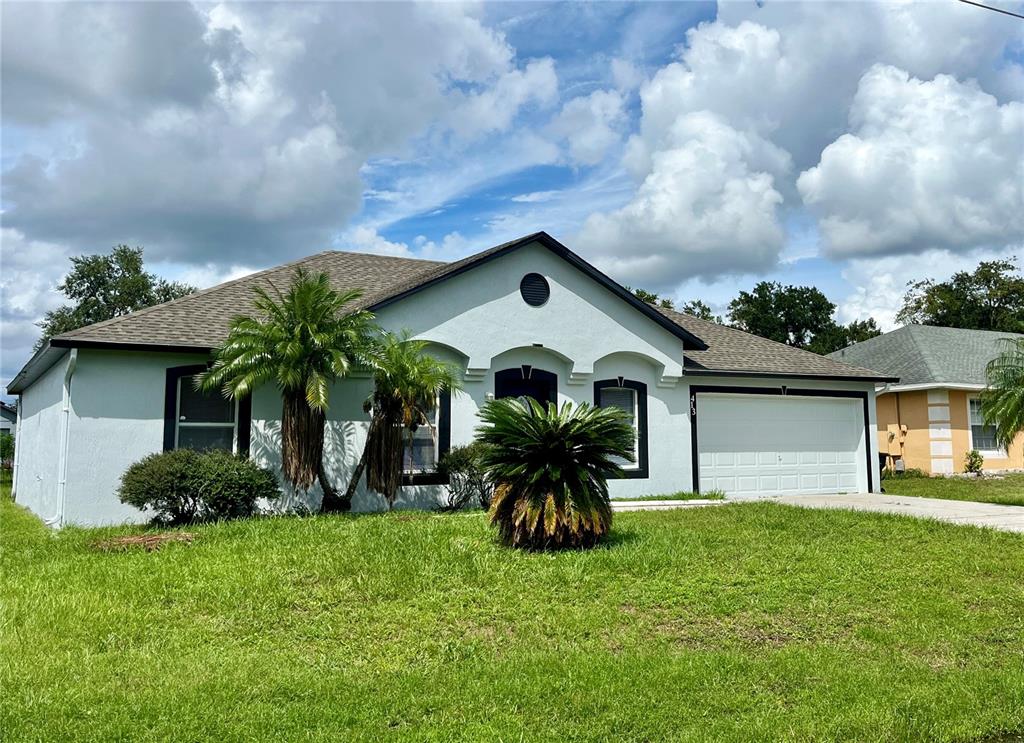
[[117, 417], [937, 437], [37, 467]]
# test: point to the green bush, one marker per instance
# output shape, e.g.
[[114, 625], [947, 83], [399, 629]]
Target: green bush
[[463, 466], [974, 461], [185, 486], [230, 487], [6, 448]]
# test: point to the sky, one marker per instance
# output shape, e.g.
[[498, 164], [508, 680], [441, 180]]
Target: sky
[[691, 149]]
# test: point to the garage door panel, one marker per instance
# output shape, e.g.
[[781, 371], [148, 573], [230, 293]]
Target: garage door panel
[[773, 444]]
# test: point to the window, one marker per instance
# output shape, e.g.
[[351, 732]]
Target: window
[[204, 421], [421, 454], [630, 397], [983, 437], [195, 420], [419, 461]]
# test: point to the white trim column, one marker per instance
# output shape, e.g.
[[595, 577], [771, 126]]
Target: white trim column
[[940, 432]]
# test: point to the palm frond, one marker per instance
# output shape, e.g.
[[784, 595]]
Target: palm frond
[[1002, 403], [551, 467]]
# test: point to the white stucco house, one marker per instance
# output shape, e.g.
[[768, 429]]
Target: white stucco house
[[713, 407]]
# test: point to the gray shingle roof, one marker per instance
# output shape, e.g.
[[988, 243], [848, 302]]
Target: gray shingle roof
[[925, 354], [201, 320]]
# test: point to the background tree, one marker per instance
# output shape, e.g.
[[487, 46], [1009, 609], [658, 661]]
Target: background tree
[[302, 341], [1002, 403], [105, 286], [699, 309], [989, 298], [652, 298], [406, 385], [787, 314], [799, 316]]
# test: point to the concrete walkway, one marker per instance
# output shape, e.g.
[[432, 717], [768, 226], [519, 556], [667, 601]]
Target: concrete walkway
[[1004, 518], [662, 505]]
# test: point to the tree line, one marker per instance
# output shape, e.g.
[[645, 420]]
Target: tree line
[[991, 297]]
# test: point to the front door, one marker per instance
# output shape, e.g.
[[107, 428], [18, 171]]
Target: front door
[[526, 381]]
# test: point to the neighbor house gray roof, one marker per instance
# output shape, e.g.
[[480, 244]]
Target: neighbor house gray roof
[[925, 354], [200, 321]]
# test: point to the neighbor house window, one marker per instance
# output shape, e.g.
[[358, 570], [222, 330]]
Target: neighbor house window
[[429, 444], [631, 398], [196, 420], [983, 437]]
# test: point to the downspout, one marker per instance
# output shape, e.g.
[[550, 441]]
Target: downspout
[[17, 451], [62, 460]]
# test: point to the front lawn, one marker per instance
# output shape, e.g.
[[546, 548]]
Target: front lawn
[[1009, 489], [740, 622]]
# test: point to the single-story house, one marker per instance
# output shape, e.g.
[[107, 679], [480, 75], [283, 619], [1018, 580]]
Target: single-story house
[[8, 417], [932, 417], [713, 407]]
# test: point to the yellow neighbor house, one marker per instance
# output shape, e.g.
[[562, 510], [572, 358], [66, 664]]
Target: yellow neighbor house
[[931, 419]]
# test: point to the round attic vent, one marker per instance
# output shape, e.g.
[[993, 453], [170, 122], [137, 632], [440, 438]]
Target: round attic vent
[[535, 289]]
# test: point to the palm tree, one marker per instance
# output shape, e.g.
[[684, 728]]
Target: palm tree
[[302, 340], [406, 385], [550, 468], [1002, 403]]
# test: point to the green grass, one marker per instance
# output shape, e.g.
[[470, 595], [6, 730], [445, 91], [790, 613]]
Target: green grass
[[743, 622], [1008, 490], [682, 495]]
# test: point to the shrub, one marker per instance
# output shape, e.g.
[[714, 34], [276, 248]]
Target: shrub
[[467, 477], [185, 486], [229, 487], [550, 469], [974, 461]]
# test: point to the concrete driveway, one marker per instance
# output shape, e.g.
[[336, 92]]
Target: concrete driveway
[[1004, 518]]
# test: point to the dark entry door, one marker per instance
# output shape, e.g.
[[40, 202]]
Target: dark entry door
[[526, 381]]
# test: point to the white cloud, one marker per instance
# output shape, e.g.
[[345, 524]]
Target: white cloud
[[701, 210], [782, 79], [535, 196], [927, 164], [495, 108], [626, 75], [592, 125]]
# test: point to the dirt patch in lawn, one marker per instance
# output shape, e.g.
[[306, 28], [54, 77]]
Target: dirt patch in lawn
[[148, 542]]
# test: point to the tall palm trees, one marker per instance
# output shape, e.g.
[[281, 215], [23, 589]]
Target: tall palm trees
[[1002, 403], [302, 341], [406, 386]]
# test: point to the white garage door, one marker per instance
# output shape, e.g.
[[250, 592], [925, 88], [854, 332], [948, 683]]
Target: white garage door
[[749, 444]]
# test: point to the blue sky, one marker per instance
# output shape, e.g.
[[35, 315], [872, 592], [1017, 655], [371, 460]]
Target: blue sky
[[689, 148]]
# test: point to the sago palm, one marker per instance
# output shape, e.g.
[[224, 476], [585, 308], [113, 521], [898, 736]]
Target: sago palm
[[302, 341], [550, 469], [406, 384], [1002, 403]]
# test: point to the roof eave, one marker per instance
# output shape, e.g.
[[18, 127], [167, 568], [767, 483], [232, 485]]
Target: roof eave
[[688, 372]]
